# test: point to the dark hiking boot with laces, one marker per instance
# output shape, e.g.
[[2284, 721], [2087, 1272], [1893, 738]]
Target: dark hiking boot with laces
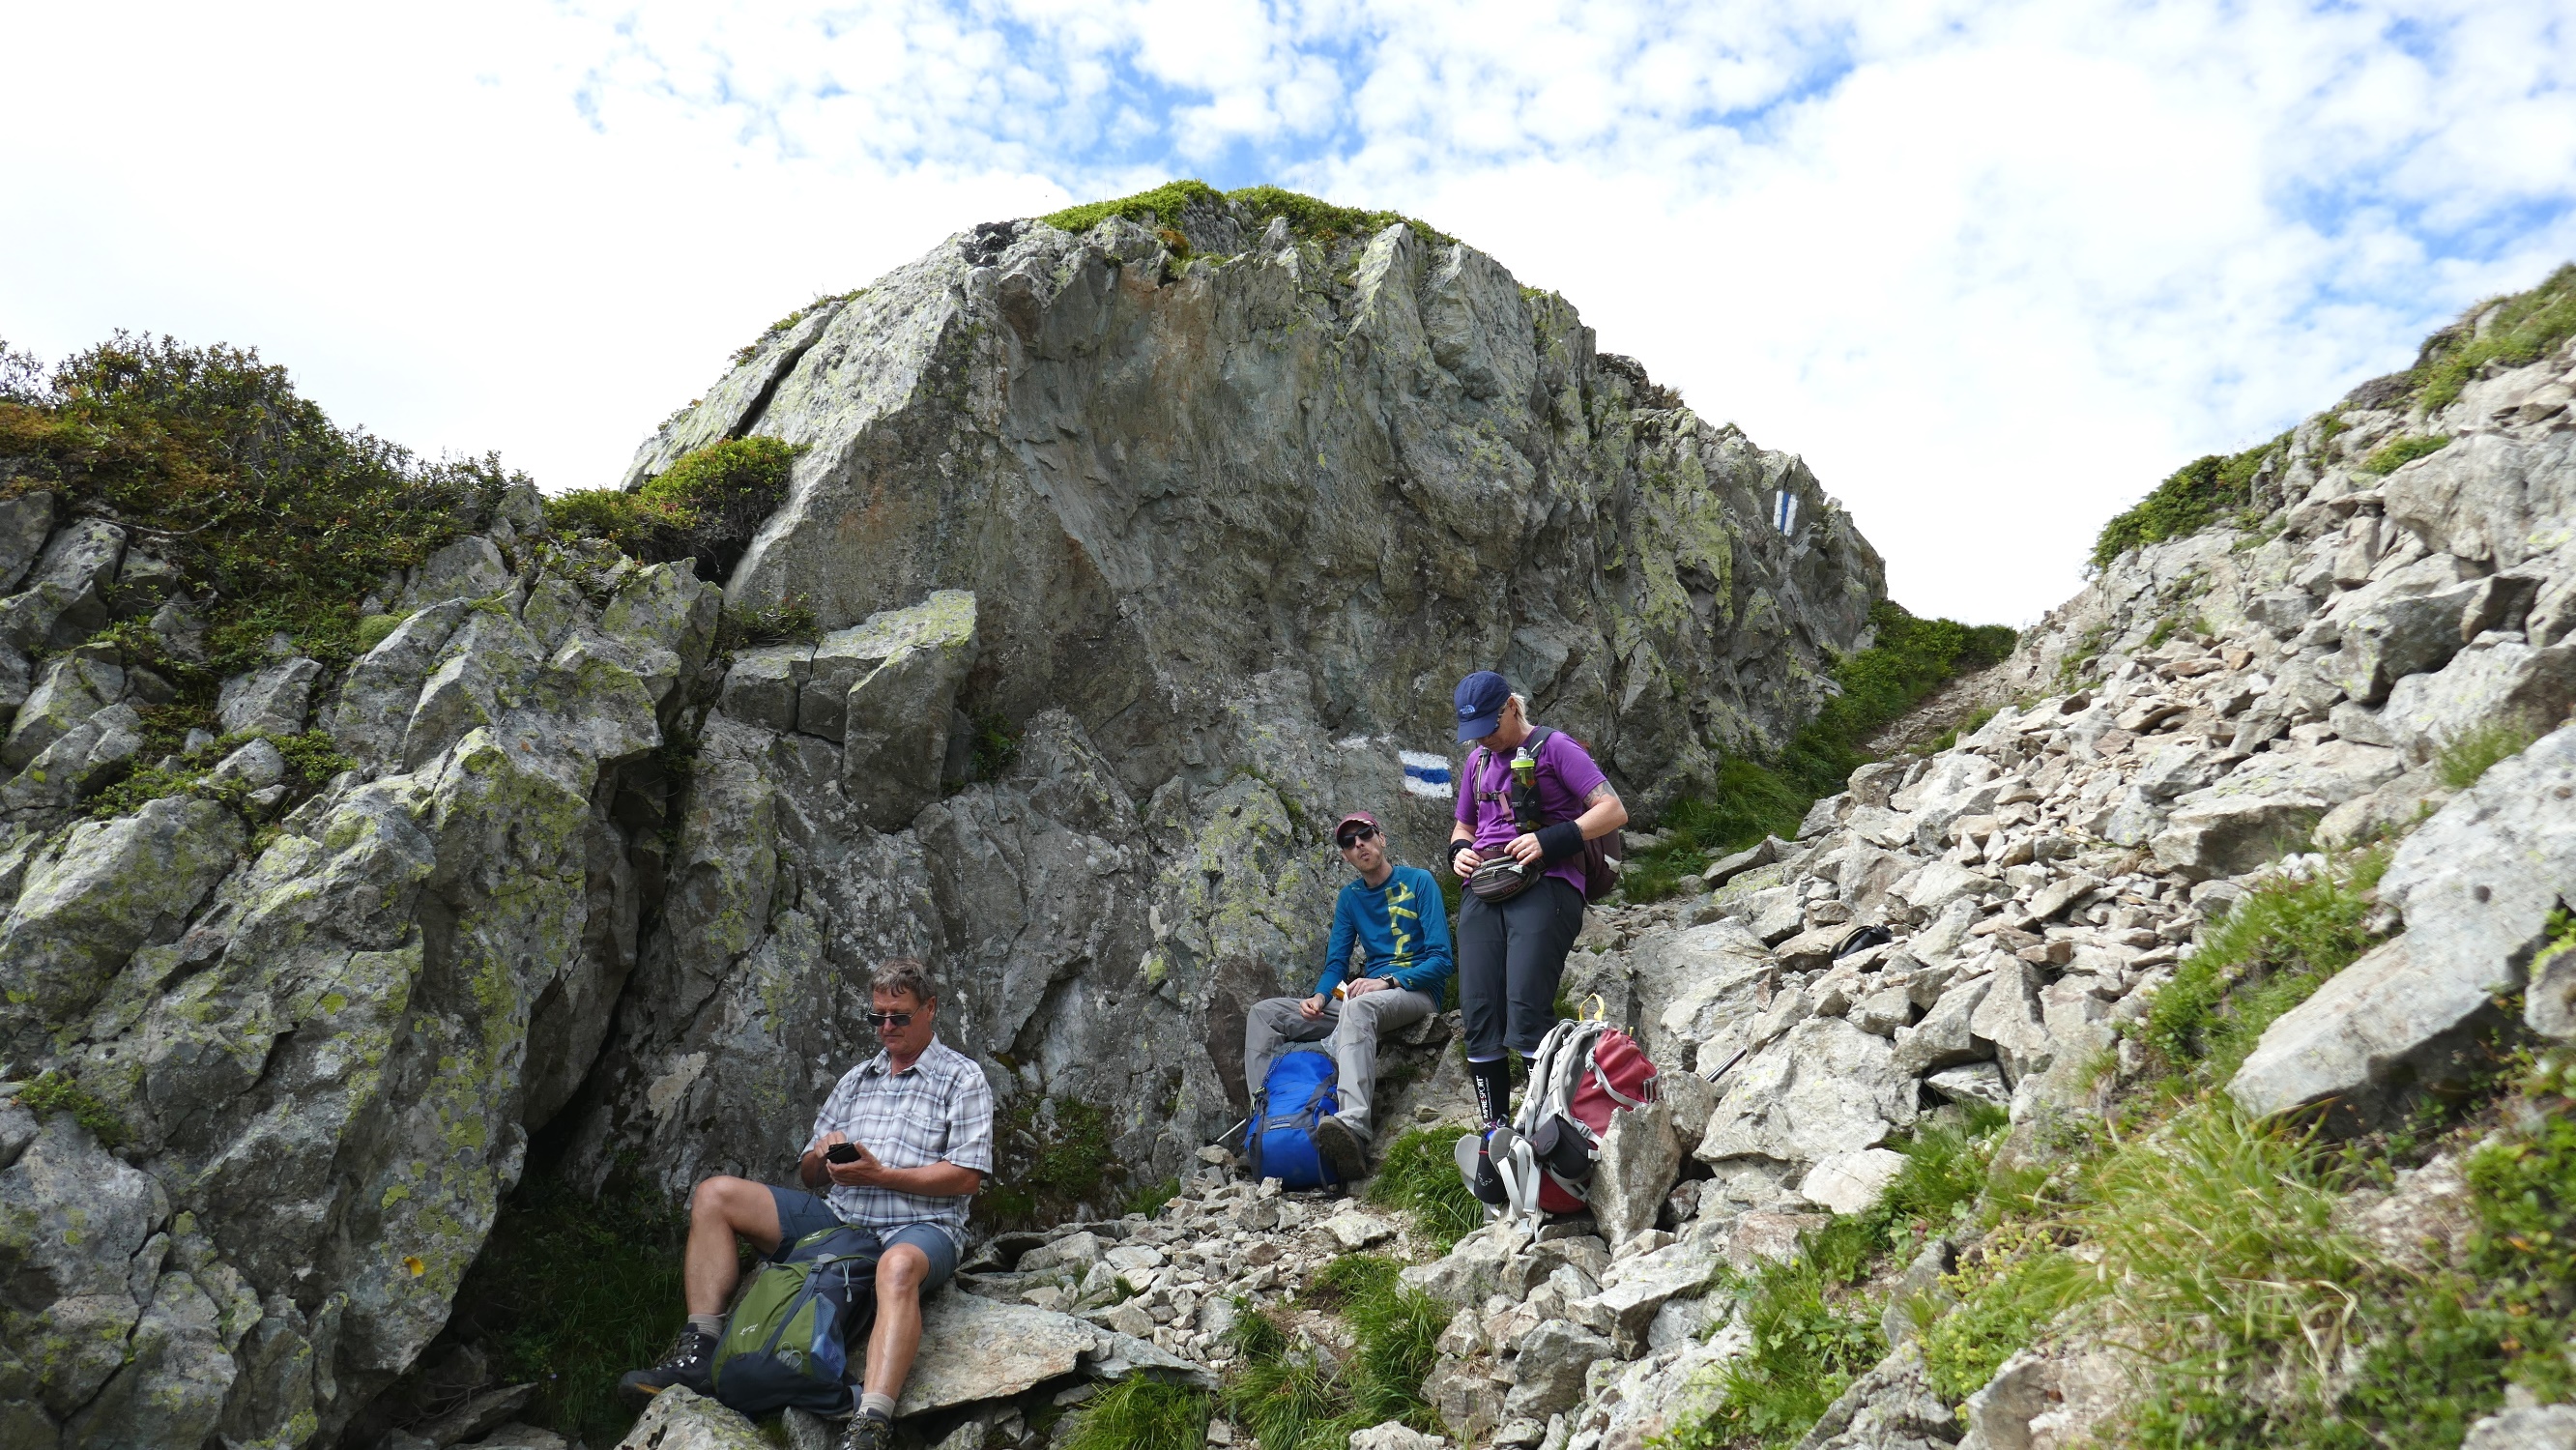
[[1345, 1155], [867, 1432], [691, 1362]]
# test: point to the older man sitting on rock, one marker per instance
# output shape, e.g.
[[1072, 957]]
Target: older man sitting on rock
[[903, 1142]]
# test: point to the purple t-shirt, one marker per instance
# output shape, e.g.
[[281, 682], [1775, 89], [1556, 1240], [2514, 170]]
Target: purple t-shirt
[[1566, 775]]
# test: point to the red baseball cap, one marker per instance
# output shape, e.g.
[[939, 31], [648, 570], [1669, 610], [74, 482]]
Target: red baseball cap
[[1355, 818]]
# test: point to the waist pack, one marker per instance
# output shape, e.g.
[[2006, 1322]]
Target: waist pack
[[788, 1341], [1297, 1093], [1501, 879], [1584, 1071], [1602, 855]]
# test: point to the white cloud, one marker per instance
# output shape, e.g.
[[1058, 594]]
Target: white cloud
[[1992, 269]]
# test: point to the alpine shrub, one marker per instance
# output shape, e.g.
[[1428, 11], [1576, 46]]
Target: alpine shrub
[[2189, 500]]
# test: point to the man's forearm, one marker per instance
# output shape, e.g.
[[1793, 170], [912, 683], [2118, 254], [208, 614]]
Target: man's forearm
[[931, 1180]]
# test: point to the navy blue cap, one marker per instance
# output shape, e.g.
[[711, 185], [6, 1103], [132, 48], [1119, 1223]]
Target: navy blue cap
[[1481, 697]]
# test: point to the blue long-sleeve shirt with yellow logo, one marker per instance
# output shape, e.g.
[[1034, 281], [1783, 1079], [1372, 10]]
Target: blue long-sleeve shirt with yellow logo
[[1401, 928]]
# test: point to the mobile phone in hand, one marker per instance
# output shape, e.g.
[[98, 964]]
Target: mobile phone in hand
[[841, 1153]]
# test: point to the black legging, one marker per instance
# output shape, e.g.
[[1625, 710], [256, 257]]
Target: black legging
[[1513, 953]]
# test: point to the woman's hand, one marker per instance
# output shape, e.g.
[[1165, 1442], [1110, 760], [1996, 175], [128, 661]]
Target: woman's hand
[[1466, 862], [1524, 849]]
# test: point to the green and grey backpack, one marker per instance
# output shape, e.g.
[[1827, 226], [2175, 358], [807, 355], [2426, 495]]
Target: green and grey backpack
[[788, 1341]]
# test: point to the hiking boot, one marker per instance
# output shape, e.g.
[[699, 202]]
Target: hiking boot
[[867, 1432], [1476, 1165], [1344, 1153], [691, 1362]]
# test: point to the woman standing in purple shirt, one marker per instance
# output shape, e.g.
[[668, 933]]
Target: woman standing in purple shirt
[[1511, 952]]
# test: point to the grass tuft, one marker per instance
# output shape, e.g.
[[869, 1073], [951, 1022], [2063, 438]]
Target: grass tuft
[[705, 506], [312, 758], [2398, 452], [1300, 1397], [55, 1092], [750, 626], [2195, 496], [1419, 1175], [1164, 207], [2463, 762], [2279, 945], [1149, 1200], [2526, 327], [1138, 1413]]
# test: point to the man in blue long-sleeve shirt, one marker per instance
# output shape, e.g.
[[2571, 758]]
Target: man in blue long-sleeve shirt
[[1395, 917]]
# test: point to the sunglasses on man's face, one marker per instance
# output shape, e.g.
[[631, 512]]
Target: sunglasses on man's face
[[1355, 837], [883, 1020]]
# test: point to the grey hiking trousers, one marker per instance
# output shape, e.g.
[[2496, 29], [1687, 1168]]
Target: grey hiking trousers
[[1352, 1024]]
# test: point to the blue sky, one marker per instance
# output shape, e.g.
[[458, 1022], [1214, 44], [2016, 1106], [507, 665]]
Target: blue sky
[[1993, 269]]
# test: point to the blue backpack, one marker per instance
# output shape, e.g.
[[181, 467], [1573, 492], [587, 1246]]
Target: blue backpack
[[788, 1340], [1297, 1094]]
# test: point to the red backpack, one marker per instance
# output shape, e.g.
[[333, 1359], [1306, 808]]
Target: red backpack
[[1585, 1070]]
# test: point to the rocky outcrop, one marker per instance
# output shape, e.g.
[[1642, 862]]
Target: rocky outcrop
[[1134, 564], [319, 1031]]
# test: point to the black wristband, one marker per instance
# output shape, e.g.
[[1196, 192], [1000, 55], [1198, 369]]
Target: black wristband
[[1559, 841], [1454, 848]]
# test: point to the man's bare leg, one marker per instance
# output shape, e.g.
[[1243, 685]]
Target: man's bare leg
[[898, 1330], [718, 1210]]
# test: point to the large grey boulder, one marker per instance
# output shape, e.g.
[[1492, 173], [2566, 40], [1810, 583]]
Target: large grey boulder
[[2407, 634], [678, 1419], [1825, 1088], [63, 599], [468, 568], [71, 688], [1694, 983], [1548, 1375], [25, 521], [1473, 1267], [902, 670], [1635, 1170], [974, 1348], [76, 1229], [2476, 885], [2494, 684], [1946, 1036], [1635, 1290], [2010, 1018], [762, 687], [272, 701], [113, 886], [2531, 1427]]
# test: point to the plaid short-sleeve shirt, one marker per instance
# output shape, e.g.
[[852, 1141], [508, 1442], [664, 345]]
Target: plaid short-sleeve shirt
[[939, 1110]]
